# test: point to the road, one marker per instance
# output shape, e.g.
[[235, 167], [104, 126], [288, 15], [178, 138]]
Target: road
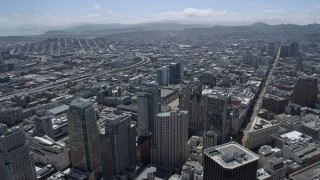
[[258, 104]]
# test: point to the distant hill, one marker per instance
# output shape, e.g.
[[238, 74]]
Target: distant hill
[[183, 29], [146, 26]]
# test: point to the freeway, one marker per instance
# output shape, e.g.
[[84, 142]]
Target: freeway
[[144, 60], [258, 104]]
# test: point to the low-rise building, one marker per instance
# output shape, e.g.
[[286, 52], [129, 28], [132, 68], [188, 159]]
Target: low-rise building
[[192, 170], [261, 133], [312, 128], [301, 149], [309, 172], [47, 151], [275, 103], [155, 172]]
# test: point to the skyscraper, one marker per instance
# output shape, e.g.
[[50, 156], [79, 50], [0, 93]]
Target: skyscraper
[[216, 114], [16, 160], [162, 76], [192, 101], [230, 161], [305, 92], [169, 146], [148, 101], [118, 146], [84, 136], [284, 51], [175, 73], [299, 65], [271, 48], [294, 48], [43, 124]]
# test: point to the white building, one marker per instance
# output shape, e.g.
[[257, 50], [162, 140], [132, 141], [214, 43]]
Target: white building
[[261, 132], [170, 138], [47, 151]]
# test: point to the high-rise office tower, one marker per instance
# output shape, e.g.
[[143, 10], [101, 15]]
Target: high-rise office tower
[[84, 136], [43, 124], [192, 101], [230, 161], [16, 160], [118, 145], [163, 76], [294, 48], [148, 101], [284, 51], [216, 114], [170, 139], [175, 73], [305, 92], [299, 65], [271, 46]]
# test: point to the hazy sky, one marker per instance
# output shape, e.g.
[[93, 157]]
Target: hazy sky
[[35, 16]]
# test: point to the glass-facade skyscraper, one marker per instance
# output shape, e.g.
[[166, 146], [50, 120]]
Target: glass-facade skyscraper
[[83, 136]]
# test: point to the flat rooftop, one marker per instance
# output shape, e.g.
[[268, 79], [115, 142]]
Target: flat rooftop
[[161, 173], [231, 155], [168, 114], [58, 110], [309, 172], [166, 92], [292, 135], [214, 93]]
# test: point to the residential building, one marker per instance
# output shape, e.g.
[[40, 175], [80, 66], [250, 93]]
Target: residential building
[[169, 147]]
